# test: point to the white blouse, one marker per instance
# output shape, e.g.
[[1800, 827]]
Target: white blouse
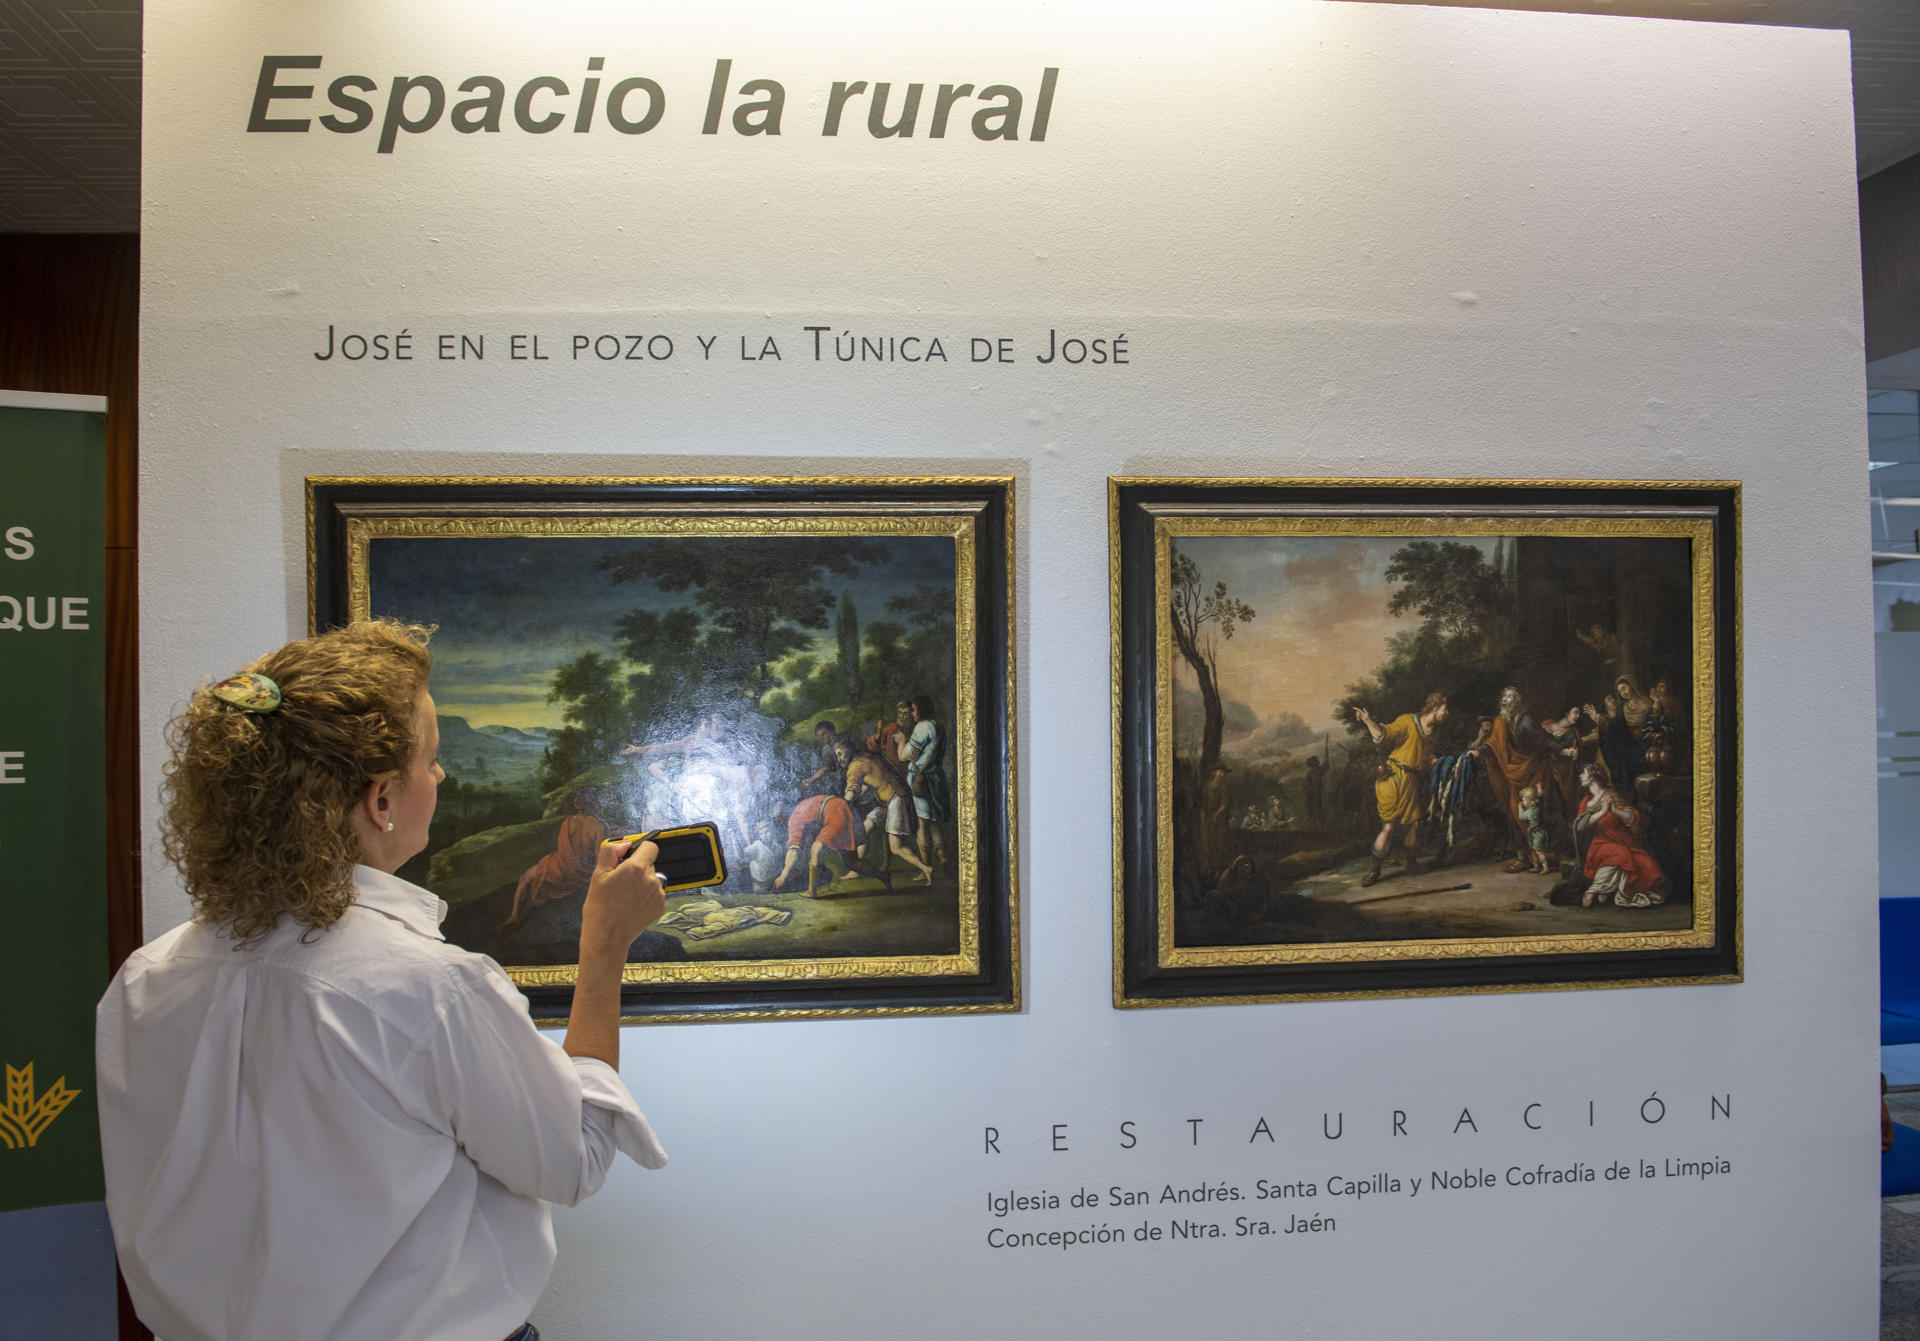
[[351, 1136]]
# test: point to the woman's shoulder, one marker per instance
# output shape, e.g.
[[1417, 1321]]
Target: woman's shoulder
[[396, 965]]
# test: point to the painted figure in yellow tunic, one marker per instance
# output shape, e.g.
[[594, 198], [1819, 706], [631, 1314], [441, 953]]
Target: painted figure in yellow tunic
[[1398, 786]]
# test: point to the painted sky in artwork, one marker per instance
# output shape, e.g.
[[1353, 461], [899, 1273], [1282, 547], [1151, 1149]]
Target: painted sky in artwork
[[512, 610], [1320, 619]]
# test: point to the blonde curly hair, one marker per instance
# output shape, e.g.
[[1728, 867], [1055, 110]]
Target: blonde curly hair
[[259, 805]]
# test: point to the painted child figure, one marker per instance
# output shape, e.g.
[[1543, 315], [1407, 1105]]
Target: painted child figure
[[1536, 827], [763, 857]]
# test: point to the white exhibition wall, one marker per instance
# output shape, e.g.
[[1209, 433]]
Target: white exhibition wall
[[1340, 240]]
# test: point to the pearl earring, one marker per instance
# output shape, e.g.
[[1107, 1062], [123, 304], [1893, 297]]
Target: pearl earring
[[389, 826]]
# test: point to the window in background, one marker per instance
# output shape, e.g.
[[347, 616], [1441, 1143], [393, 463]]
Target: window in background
[[1893, 450]]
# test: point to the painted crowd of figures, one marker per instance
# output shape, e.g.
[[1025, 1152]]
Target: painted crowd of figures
[[1596, 785], [894, 781]]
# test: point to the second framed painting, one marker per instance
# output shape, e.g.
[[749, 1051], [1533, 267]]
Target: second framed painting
[[822, 668], [1415, 737]]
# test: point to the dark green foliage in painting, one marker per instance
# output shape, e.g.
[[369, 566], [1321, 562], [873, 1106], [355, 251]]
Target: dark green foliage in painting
[[930, 611], [896, 663], [813, 688], [595, 710], [763, 598], [1451, 587], [753, 606], [926, 607], [1460, 598], [672, 658]]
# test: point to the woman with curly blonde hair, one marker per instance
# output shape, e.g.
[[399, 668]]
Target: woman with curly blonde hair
[[318, 1118]]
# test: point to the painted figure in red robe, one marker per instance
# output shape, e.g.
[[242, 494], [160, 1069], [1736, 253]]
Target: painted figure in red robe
[[1618, 868]]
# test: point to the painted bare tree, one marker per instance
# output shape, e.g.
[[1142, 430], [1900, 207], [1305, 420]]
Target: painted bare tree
[[1198, 615]]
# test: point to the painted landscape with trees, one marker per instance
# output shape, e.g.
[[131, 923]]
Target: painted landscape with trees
[[602, 684], [1430, 734]]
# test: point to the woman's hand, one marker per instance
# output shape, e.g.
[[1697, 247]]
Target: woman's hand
[[624, 897]]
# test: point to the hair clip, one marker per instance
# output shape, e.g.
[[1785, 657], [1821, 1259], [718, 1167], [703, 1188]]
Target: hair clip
[[249, 692]]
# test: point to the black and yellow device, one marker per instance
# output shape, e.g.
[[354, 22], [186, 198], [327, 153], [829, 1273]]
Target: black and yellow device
[[690, 856]]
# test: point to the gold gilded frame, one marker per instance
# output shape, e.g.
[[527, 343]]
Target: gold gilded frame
[[348, 514], [1148, 515]]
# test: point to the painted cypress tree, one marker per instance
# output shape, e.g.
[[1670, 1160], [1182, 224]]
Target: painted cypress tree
[[846, 631]]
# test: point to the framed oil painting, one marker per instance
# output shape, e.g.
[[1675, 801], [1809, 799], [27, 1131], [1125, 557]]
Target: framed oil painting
[[822, 668], [1383, 738]]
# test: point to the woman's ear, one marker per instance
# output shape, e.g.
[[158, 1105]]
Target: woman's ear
[[376, 803]]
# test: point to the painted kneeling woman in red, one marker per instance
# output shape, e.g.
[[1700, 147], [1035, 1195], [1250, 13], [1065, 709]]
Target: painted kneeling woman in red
[[1619, 870]]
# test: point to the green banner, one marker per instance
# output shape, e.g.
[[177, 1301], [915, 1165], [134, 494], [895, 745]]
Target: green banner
[[53, 870]]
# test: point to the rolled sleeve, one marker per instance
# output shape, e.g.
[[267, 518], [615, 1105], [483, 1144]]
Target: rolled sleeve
[[606, 1102], [541, 1123]]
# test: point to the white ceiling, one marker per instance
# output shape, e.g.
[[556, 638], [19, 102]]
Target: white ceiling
[[70, 94]]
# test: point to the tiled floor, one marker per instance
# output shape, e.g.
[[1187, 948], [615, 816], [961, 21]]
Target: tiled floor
[[1900, 1269], [1900, 1245]]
